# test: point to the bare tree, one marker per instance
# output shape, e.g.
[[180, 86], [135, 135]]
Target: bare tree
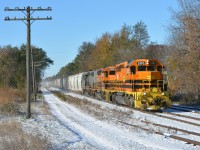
[[185, 41]]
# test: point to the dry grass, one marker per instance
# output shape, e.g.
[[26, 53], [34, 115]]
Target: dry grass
[[9, 98], [13, 137], [10, 94]]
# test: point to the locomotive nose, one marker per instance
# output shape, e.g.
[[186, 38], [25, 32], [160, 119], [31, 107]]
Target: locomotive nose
[[154, 75], [149, 75]]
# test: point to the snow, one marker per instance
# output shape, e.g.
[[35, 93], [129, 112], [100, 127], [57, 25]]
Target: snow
[[71, 127], [147, 117], [192, 113], [181, 118], [142, 116]]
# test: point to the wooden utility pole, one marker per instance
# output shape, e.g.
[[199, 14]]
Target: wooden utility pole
[[34, 65], [33, 75], [27, 20]]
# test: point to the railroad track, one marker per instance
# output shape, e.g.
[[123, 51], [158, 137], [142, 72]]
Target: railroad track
[[185, 109], [168, 127], [189, 141], [172, 128], [183, 116], [167, 117], [171, 118]]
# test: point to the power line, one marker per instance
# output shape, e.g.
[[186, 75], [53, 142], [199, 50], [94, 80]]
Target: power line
[[28, 11]]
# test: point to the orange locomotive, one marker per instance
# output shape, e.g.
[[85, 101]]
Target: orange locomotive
[[138, 83]]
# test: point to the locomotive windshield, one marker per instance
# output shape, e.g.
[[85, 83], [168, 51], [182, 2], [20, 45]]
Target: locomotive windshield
[[106, 73], [146, 68], [112, 73], [141, 68], [150, 68], [133, 70]]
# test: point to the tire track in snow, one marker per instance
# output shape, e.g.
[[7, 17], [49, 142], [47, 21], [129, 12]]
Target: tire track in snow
[[61, 119], [105, 137]]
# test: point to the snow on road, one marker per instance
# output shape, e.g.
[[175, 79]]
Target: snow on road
[[84, 131]]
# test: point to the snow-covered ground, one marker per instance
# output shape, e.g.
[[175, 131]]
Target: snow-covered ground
[[85, 123]]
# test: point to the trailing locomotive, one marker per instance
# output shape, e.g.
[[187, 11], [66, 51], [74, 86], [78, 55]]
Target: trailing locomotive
[[139, 84]]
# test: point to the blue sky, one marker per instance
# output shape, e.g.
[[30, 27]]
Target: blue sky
[[76, 21]]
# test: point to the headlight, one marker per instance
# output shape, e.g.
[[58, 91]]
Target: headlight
[[162, 93], [144, 93]]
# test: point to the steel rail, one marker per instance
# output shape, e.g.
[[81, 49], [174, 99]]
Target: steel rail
[[189, 141], [184, 116], [171, 118], [172, 128], [184, 109]]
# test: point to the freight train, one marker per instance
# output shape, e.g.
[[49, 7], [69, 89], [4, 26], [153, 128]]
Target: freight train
[[139, 84]]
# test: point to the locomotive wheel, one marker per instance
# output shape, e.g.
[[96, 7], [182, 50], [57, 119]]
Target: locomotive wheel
[[113, 99], [83, 92], [103, 96], [94, 94], [129, 101], [133, 102], [89, 93]]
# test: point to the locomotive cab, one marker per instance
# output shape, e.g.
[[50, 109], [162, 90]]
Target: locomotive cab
[[107, 78], [109, 74], [121, 71], [146, 74]]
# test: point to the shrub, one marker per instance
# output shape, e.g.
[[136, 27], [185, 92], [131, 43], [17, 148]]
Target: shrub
[[9, 98], [9, 108]]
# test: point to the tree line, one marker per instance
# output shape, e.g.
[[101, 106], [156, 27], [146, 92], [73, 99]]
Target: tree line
[[129, 43], [13, 65], [180, 55], [184, 60]]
